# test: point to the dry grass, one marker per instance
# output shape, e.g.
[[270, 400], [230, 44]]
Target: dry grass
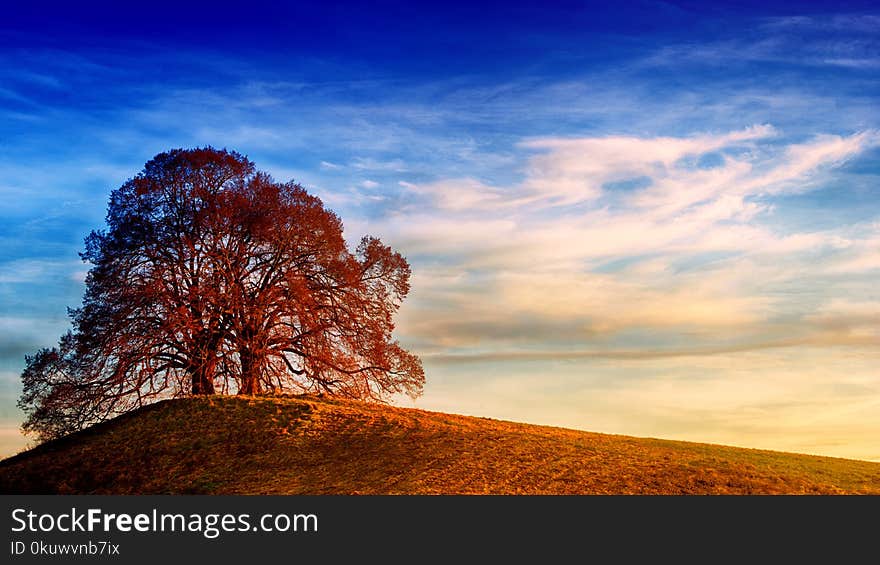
[[308, 445]]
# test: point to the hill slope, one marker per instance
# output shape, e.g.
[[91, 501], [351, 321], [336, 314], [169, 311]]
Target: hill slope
[[309, 445]]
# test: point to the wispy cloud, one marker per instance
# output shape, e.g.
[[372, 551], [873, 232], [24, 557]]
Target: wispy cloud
[[687, 255], [849, 23], [370, 164], [652, 354]]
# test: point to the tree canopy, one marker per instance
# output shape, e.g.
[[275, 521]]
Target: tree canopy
[[212, 277]]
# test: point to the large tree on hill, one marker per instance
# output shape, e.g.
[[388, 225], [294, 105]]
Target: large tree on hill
[[211, 276]]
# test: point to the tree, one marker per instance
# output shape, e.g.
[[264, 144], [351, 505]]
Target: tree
[[212, 276]]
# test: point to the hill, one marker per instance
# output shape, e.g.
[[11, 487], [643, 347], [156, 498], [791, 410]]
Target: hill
[[312, 445]]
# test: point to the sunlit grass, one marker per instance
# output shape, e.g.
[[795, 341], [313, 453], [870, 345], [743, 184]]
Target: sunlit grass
[[309, 445]]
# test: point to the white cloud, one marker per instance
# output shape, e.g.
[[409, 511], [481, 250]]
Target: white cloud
[[21, 271], [861, 254], [692, 251], [574, 170], [370, 164], [567, 172]]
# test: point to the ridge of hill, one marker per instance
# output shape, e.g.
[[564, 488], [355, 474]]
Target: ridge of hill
[[326, 445]]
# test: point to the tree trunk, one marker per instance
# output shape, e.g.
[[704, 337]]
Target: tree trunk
[[203, 378], [204, 363], [250, 373]]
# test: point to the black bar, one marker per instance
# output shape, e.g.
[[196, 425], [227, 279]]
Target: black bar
[[461, 529]]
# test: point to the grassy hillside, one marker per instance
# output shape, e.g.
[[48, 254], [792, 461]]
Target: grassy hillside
[[308, 445]]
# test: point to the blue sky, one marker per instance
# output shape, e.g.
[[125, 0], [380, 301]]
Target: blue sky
[[657, 219]]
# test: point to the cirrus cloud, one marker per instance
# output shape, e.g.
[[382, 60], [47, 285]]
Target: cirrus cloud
[[687, 256]]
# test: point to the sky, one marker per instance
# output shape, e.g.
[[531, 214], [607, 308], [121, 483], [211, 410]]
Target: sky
[[658, 219]]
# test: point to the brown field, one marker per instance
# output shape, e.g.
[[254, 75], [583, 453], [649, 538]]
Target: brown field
[[311, 445]]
